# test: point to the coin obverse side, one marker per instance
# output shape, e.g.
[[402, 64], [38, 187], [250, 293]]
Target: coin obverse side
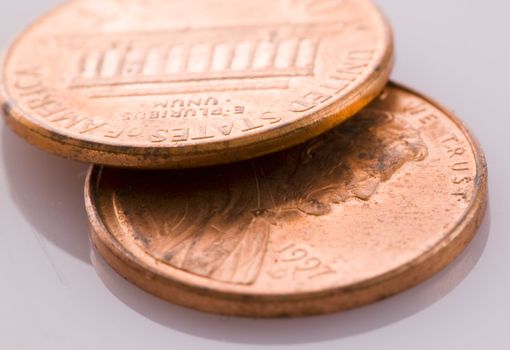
[[367, 210], [177, 84]]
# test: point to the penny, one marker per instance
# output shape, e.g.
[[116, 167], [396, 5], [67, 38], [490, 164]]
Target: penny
[[176, 84], [362, 212]]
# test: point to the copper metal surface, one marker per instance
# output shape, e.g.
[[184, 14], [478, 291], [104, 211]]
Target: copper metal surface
[[360, 213], [174, 84]]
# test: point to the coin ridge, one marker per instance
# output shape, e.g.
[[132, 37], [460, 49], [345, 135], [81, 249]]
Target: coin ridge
[[308, 303]]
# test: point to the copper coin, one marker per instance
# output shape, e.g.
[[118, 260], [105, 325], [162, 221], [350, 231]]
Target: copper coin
[[176, 84], [358, 214]]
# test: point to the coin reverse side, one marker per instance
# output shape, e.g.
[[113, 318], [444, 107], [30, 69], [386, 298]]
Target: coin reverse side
[[175, 84], [358, 214]]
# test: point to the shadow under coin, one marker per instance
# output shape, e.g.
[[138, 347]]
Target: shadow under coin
[[303, 330], [48, 191]]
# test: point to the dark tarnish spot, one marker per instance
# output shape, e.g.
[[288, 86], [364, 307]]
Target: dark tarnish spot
[[142, 239], [6, 109], [169, 256]]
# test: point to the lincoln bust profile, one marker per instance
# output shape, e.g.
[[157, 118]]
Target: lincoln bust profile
[[216, 222]]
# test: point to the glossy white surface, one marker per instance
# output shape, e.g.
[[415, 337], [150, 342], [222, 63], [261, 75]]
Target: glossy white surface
[[56, 294]]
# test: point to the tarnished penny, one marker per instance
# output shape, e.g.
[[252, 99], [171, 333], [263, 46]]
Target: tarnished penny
[[176, 84], [356, 215]]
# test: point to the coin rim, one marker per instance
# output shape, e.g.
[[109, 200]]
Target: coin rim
[[240, 148], [298, 304]]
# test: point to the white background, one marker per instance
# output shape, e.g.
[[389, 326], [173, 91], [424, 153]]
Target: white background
[[55, 295]]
